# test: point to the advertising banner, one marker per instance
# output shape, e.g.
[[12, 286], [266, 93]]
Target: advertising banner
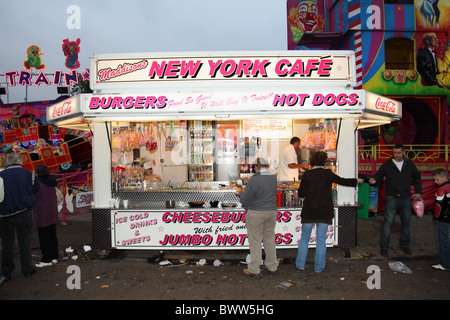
[[179, 229], [230, 102], [145, 69]]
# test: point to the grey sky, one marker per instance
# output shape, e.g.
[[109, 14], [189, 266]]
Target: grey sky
[[129, 26]]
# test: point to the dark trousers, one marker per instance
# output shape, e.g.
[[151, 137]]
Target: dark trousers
[[20, 224], [48, 242]]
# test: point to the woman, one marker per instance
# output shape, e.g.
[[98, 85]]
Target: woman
[[45, 214], [317, 208]]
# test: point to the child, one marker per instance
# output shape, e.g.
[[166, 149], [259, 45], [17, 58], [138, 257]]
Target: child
[[442, 218]]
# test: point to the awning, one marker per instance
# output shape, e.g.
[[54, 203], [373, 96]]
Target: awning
[[219, 86], [367, 108]]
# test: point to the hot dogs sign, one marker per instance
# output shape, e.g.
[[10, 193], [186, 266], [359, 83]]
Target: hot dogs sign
[[200, 229]]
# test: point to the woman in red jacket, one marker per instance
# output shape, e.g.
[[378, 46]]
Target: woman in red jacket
[[317, 209]]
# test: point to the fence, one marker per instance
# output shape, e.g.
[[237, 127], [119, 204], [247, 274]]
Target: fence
[[78, 193], [425, 157]]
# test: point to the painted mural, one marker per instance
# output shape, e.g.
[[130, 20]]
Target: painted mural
[[405, 52], [422, 73], [429, 71], [304, 16]]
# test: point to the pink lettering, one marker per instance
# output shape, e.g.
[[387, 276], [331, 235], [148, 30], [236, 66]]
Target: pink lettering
[[388, 106], [11, 77], [284, 67], [108, 73], [174, 69], [63, 109], [213, 67], [41, 78]]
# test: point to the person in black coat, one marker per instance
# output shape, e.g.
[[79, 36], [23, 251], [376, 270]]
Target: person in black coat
[[426, 60], [317, 209]]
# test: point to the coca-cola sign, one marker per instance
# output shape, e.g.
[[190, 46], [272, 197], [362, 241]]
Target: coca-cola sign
[[386, 105], [383, 105], [63, 109]]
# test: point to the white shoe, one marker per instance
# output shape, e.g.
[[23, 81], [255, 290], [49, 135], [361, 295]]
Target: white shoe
[[43, 264], [439, 267], [54, 261]]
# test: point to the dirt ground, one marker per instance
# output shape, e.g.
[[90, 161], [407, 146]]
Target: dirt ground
[[138, 275]]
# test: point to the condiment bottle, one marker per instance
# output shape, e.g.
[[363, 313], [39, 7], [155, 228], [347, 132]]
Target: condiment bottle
[[279, 199]]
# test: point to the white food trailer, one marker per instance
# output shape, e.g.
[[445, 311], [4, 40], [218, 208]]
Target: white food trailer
[[294, 87]]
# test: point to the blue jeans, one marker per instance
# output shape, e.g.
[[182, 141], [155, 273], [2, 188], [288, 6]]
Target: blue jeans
[[321, 248], [442, 233], [404, 207]]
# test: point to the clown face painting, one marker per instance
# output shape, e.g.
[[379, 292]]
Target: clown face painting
[[304, 18]]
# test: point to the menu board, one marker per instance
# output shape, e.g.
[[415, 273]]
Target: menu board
[[203, 229], [267, 128]]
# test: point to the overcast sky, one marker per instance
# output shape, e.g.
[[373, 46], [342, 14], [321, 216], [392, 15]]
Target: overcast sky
[[129, 26]]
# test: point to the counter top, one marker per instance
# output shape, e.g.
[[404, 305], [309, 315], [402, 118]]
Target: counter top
[[187, 208]]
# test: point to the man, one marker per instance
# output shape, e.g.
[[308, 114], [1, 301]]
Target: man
[[288, 169], [18, 187], [426, 60], [441, 218], [398, 172], [259, 199]]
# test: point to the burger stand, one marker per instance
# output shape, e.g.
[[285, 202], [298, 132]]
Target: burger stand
[[200, 120]]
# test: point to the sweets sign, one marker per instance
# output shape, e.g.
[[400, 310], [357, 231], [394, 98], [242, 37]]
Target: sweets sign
[[200, 229], [285, 66]]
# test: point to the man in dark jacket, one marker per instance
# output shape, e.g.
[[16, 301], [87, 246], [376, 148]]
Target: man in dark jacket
[[19, 187], [398, 172], [426, 60]]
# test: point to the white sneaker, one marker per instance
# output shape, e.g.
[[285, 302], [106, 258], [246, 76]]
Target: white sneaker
[[54, 261], [439, 267], [43, 264]]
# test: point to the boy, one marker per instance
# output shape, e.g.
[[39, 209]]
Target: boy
[[442, 218]]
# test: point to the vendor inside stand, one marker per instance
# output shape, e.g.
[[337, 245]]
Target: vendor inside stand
[[170, 153]]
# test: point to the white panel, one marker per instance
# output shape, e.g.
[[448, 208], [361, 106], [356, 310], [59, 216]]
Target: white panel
[[101, 164], [346, 159]]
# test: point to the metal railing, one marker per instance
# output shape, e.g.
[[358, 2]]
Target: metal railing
[[77, 190], [425, 156]]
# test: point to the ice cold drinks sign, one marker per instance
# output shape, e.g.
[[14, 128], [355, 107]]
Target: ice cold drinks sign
[[200, 229]]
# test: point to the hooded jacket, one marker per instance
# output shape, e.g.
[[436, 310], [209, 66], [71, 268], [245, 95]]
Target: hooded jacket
[[19, 188]]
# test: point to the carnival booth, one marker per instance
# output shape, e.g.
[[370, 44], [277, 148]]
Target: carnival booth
[[175, 136]]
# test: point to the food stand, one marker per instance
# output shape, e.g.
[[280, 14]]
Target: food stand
[[198, 121]]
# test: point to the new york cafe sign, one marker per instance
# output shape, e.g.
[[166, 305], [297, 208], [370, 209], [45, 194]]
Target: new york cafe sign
[[314, 66]]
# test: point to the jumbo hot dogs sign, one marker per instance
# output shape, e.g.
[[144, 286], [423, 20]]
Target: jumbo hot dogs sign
[[142, 229]]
